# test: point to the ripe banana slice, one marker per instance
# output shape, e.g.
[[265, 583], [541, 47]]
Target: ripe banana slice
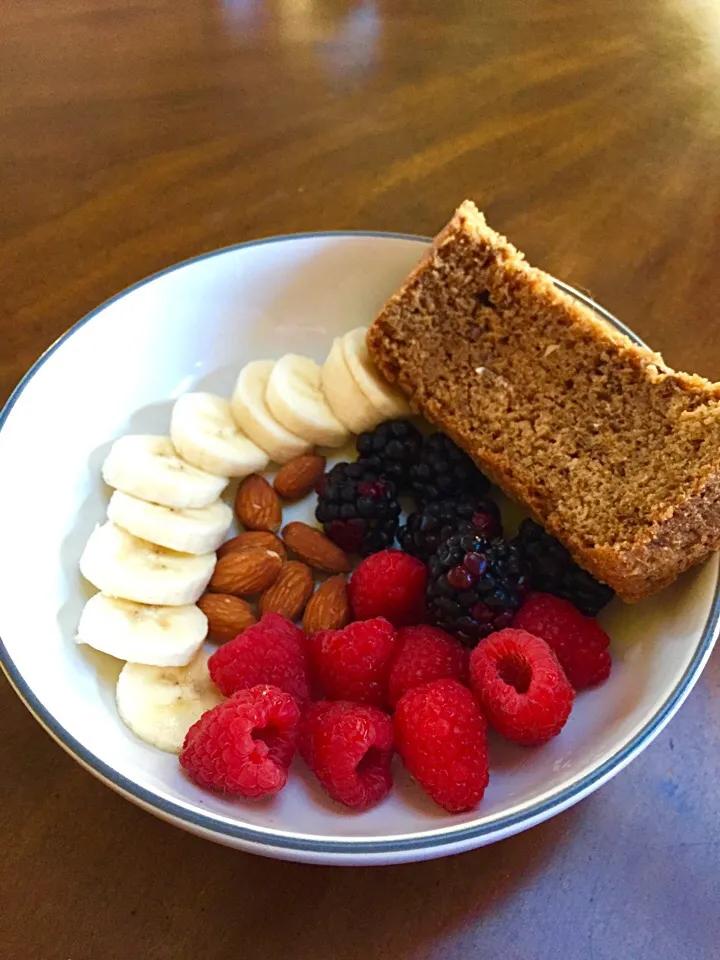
[[159, 636], [389, 403], [193, 530], [204, 433], [252, 414], [148, 467], [295, 397], [125, 566], [160, 704], [346, 399]]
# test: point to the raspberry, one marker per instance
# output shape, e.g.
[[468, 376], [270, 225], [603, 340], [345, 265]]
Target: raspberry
[[283, 627], [389, 584], [424, 654], [244, 746], [578, 642], [520, 686], [354, 663], [272, 651], [348, 747], [441, 736]]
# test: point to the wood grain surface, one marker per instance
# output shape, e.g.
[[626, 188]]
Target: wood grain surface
[[135, 133]]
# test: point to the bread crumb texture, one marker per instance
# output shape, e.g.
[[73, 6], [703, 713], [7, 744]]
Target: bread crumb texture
[[617, 455]]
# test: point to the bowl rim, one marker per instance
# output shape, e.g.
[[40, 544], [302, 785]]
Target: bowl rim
[[280, 842]]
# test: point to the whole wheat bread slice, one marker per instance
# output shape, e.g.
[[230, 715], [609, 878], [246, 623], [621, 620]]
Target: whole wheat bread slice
[[617, 455]]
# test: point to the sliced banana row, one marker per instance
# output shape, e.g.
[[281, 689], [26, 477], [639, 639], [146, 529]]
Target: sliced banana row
[[290, 405], [165, 524], [154, 557], [250, 408]]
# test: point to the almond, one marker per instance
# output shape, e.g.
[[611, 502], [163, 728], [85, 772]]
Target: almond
[[257, 505], [290, 592], [227, 615], [328, 608], [246, 572], [254, 538], [299, 476], [312, 546]]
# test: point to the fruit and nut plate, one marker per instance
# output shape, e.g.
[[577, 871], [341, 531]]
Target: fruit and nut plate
[[400, 628]]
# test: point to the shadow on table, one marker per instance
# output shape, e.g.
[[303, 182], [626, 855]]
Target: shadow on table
[[397, 911]]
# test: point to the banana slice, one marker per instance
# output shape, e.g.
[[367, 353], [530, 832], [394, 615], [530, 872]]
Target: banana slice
[[160, 704], [389, 403], [159, 636], [294, 395], [149, 467], [193, 530], [125, 566], [204, 433], [252, 415], [346, 399]]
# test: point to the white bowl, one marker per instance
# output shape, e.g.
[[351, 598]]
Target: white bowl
[[116, 372]]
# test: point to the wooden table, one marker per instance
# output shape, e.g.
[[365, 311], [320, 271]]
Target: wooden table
[[134, 134]]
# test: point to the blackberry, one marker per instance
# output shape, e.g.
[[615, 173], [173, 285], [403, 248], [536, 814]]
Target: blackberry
[[552, 570], [390, 449], [428, 527], [358, 508], [444, 470], [476, 585]]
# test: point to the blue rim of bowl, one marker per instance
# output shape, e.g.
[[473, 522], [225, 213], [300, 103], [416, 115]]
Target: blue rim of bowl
[[529, 813]]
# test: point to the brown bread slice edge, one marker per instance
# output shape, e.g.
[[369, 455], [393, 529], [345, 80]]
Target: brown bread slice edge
[[617, 455]]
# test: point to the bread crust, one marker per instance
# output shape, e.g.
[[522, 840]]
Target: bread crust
[[614, 453]]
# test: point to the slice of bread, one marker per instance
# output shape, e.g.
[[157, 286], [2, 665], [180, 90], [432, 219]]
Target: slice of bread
[[617, 455]]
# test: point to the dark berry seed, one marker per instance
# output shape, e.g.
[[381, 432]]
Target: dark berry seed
[[460, 578], [469, 542], [450, 608], [373, 489], [467, 599], [346, 535], [482, 613], [475, 563], [486, 524], [446, 555], [467, 626], [365, 507], [497, 600], [445, 588]]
